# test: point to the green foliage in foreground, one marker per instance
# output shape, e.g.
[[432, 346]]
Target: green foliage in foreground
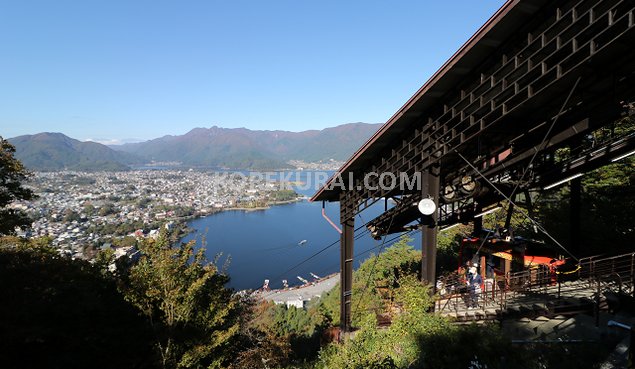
[[62, 313], [280, 336], [375, 281], [171, 310], [192, 314], [418, 339], [12, 177]]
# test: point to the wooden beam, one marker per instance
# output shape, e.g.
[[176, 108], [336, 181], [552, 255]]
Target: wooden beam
[[430, 189], [346, 269]]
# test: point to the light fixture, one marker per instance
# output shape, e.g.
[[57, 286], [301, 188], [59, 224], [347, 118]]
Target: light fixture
[[488, 211], [623, 156], [427, 206], [563, 181]]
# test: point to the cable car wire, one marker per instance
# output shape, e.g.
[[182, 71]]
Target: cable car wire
[[372, 270], [315, 254], [532, 220]]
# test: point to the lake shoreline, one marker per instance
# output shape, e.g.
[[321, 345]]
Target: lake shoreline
[[303, 292], [259, 208], [247, 210], [265, 244]]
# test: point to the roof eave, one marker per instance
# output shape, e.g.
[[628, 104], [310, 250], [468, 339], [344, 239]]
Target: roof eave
[[332, 194]]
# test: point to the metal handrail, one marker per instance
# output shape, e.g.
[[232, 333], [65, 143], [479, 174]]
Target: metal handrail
[[592, 274]]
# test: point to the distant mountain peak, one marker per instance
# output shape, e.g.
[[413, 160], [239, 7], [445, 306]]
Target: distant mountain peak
[[243, 148], [238, 148], [56, 151]]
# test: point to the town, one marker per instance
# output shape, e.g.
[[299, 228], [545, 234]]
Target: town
[[84, 211]]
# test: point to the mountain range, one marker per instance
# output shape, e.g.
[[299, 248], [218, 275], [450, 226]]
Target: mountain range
[[55, 151], [236, 148]]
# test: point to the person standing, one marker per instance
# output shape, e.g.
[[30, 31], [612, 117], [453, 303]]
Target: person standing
[[474, 284]]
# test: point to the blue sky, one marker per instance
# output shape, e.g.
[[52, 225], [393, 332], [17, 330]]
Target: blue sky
[[120, 69]]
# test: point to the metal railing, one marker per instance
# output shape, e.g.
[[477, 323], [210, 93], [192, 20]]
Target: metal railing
[[540, 286]]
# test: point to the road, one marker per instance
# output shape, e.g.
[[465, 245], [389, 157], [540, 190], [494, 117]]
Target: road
[[304, 293]]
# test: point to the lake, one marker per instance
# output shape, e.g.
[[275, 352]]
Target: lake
[[265, 244]]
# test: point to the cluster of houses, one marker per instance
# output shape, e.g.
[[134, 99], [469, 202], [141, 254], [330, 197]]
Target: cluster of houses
[[75, 209]]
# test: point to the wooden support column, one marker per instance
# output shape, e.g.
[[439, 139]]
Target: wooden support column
[[429, 189], [346, 268], [506, 265], [574, 216]]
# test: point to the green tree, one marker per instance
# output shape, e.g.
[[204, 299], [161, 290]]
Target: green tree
[[107, 209], [375, 281], [280, 334], [70, 215], [60, 313], [127, 241], [144, 202], [448, 246], [283, 195], [260, 345], [261, 350], [89, 209], [367, 350], [607, 198], [193, 315], [12, 176]]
